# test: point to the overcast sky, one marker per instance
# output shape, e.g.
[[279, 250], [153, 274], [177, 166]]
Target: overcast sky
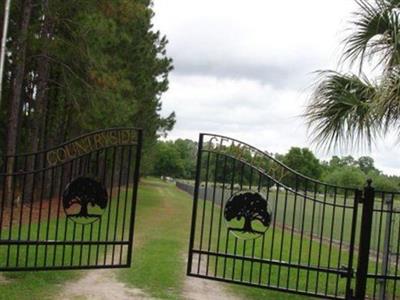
[[244, 69]]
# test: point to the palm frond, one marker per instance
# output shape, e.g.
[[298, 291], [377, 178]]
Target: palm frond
[[392, 3], [375, 33], [341, 113], [388, 102]]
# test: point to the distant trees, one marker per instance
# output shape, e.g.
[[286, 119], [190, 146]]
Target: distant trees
[[383, 182], [178, 159], [366, 164], [346, 176], [76, 66], [303, 161], [347, 171], [175, 159], [187, 151]]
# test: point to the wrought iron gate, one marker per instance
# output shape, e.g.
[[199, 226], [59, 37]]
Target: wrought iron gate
[[383, 271], [72, 206], [258, 223]]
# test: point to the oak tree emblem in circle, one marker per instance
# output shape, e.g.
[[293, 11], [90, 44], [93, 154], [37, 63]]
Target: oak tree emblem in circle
[[247, 215], [84, 200]]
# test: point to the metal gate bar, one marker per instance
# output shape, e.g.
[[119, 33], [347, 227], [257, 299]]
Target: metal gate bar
[[72, 206], [384, 255], [303, 237]]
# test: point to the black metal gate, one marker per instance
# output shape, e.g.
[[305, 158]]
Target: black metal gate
[[72, 206], [383, 270], [258, 223]]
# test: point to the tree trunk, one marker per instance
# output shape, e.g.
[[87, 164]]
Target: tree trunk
[[16, 92], [2, 17], [84, 209], [41, 99], [247, 225], [43, 72]]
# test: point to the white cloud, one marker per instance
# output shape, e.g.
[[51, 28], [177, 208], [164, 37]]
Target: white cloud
[[244, 68], [256, 39], [242, 108]]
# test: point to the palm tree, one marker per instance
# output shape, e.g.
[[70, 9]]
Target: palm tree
[[351, 109]]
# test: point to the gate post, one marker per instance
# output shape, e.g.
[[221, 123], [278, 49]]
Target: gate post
[[388, 202], [195, 198], [365, 241]]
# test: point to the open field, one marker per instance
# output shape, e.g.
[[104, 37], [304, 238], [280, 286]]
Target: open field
[[161, 246], [160, 253], [43, 284], [159, 259], [306, 233], [330, 216]]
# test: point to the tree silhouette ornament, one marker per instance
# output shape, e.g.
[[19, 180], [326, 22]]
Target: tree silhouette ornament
[[82, 193], [250, 207]]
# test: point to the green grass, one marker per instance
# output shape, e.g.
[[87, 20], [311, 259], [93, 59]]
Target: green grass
[[43, 284], [294, 212], [162, 232], [161, 239], [65, 230], [330, 220], [35, 285], [326, 217], [277, 246], [162, 227]]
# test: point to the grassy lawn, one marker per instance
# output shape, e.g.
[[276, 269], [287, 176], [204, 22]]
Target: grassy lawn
[[335, 211], [161, 242], [336, 218], [275, 246], [329, 221], [32, 285], [44, 284], [162, 232], [161, 238]]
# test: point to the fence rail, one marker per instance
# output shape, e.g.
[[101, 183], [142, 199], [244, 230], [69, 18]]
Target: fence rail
[[71, 206], [259, 223]]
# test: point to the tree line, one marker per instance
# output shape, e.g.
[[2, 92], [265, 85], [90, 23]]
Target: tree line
[[177, 159], [76, 66]]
